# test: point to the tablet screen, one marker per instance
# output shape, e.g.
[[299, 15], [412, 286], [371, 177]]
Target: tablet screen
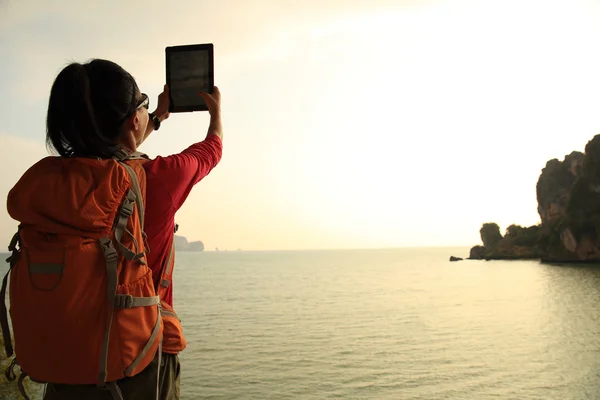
[[190, 72]]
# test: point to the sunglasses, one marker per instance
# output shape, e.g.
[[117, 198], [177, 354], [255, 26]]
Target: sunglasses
[[144, 103]]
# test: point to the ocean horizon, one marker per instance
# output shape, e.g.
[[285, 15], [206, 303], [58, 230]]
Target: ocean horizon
[[385, 324]]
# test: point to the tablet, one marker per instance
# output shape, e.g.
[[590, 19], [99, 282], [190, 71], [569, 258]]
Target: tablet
[[190, 70]]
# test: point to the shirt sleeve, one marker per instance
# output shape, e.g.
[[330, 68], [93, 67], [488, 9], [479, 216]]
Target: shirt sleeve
[[178, 173]]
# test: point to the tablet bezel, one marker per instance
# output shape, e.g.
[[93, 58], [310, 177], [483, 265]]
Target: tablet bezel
[[183, 48]]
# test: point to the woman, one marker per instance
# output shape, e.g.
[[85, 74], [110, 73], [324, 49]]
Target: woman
[[94, 110]]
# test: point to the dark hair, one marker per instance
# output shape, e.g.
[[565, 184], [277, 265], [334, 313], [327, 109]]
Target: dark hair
[[88, 104]]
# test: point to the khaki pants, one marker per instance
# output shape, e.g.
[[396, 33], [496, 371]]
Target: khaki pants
[[139, 387]]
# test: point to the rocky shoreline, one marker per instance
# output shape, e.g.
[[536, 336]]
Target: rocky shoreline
[[568, 195]]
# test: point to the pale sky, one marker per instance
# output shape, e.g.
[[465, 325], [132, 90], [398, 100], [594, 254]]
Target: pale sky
[[348, 124]]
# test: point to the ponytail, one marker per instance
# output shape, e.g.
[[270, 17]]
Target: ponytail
[[87, 105]]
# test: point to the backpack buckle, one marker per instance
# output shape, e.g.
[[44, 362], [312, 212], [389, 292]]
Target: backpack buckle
[[124, 301], [127, 209], [110, 253]]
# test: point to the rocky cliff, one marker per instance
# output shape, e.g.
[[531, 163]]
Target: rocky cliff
[[182, 244], [568, 195], [517, 243]]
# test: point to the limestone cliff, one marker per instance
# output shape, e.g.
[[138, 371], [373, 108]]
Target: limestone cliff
[[574, 235], [182, 244], [554, 186], [568, 195], [517, 243], [196, 246]]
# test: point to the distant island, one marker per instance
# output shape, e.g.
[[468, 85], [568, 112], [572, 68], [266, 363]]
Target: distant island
[[182, 244], [568, 196]]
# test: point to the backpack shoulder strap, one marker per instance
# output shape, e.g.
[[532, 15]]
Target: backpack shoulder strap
[[166, 270], [134, 196], [137, 191]]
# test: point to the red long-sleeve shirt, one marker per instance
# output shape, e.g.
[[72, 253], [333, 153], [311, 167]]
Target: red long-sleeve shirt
[[169, 181]]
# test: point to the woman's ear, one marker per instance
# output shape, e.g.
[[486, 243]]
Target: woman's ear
[[129, 131], [135, 122], [132, 123]]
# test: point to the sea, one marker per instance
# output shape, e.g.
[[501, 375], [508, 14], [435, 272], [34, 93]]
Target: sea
[[386, 324]]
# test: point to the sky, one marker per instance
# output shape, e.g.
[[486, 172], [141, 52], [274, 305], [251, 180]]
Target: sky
[[347, 124]]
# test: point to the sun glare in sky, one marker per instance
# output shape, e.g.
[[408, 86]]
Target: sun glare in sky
[[347, 124]]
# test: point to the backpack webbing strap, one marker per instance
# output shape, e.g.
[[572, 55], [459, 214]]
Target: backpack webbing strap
[[171, 314], [113, 389], [111, 257], [152, 339], [166, 270], [4, 319], [123, 154], [159, 361], [135, 186], [9, 372], [125, 212], [20, 385], [128, 301], [12, 247]]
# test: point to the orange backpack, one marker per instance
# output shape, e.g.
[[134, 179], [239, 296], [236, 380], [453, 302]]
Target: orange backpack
[[83, 304]]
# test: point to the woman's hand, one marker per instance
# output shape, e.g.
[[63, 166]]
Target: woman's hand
[[162, 108], [213, 103]]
